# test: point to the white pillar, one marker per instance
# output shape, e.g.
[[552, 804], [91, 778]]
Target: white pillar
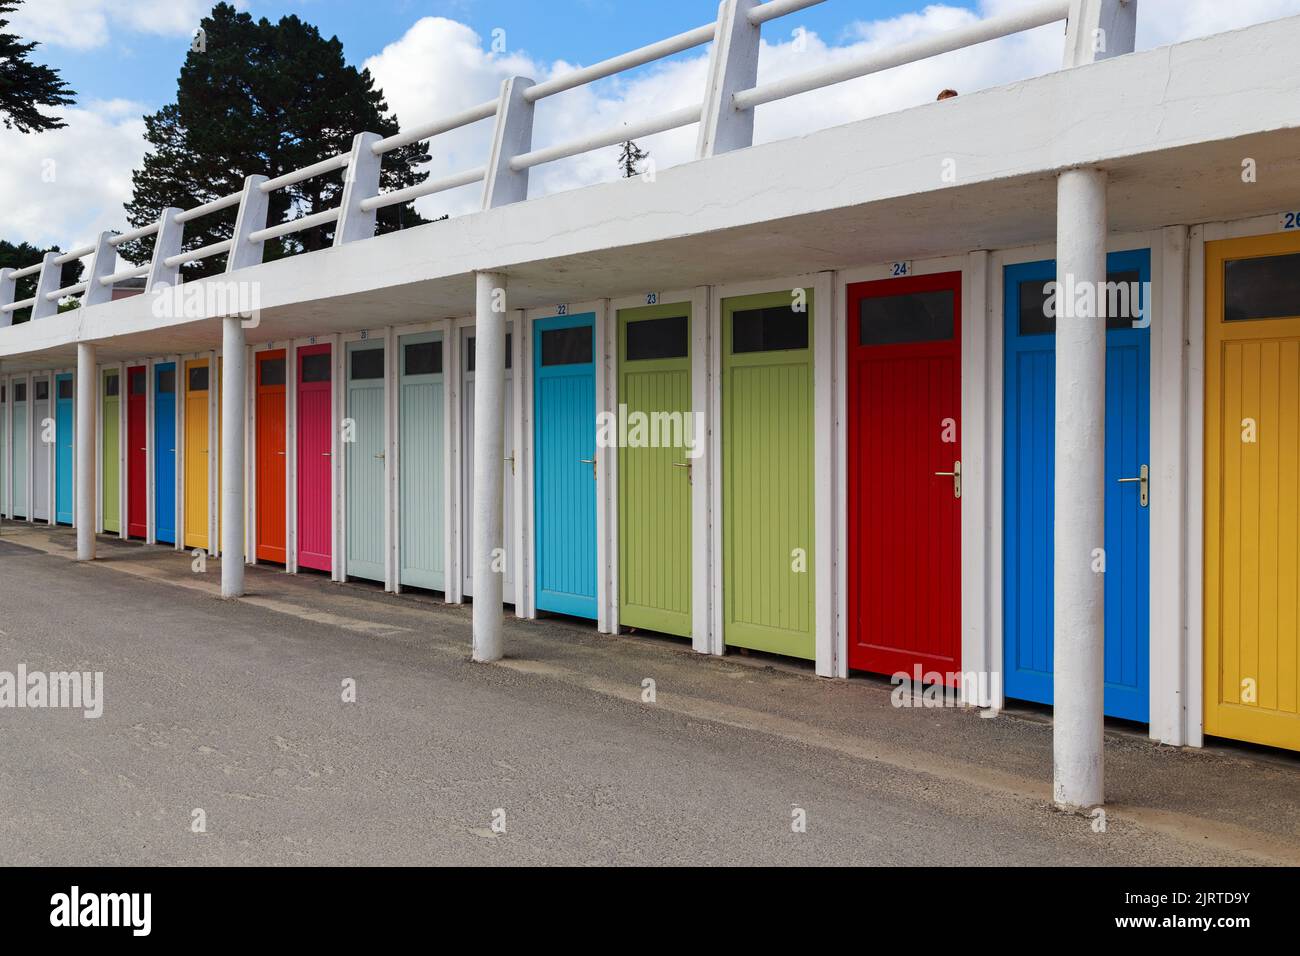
[[233, 389], [489, 463], [1080, 488], [87, 395]]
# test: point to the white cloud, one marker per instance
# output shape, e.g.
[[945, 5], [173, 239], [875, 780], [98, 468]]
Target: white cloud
[[68, 185], [86, 24]]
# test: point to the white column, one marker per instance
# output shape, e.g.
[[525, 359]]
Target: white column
[[233, 390], [87, 394], [1080, 488], [489, 463]]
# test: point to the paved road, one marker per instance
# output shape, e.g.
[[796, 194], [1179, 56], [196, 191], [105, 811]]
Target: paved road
[[237, 709]]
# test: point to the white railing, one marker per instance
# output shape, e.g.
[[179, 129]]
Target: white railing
[[725, 116]]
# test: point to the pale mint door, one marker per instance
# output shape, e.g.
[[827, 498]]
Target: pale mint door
[[363, 441], [19, 447], [421, 408], [467, 472], [42, 449]]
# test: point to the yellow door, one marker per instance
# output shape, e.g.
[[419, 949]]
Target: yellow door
[[1252, 502], [196, 454]]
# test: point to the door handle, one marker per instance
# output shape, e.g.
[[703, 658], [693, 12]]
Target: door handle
[[326, 454], [589, 461], [380, 456], [955, 475], [279, 453], [1143, 481], [511, 459]]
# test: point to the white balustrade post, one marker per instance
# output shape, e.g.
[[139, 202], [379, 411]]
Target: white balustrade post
[[489, 465], [166, 243], [1080, 506], [253, 209], [8, 289], [86, 491], [102, 265], [733, 66], [512, 137], [1099, 29], [48, 282], [361, 182]]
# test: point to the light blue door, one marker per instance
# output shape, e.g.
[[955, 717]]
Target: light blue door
[[565, 441], [164, 443], [1029, 501], [363, 441], [18, 460], [64, 437], [421, 409]]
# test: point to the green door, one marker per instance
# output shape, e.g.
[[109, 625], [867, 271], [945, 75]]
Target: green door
[[767, 466], [112, 490], [364, 443], [420, 416], [654, 475]]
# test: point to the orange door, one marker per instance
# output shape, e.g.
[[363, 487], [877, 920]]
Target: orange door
[[270, 456]]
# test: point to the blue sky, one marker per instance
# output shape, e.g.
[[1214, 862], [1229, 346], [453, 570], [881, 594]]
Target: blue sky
[[432, 58], [142, 68]]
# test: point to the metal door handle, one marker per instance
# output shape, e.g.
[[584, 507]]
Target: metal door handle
[[589, 461], [279, 453], [326, 454], [511, 459], [955, 475], [380, 456], [1143, 481]]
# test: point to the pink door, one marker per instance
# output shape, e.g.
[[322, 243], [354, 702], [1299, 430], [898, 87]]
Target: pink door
[[315, 466]]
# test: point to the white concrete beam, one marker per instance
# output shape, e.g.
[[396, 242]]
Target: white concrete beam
[[8, 287], [733, 67], [1099, 29], [102, 265], [48, 282], [513, 137], [361, 183], [252, 217], [167, 243], [489, 452], [85, 471], [1080, 507]]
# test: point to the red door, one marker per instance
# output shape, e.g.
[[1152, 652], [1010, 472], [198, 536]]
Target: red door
[[137, 454], [271, 461], [904, 507], [315, 469]]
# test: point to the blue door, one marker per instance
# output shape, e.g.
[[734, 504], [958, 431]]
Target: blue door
[[63, 441], [164, 430], [565, 440], [1030, 408]]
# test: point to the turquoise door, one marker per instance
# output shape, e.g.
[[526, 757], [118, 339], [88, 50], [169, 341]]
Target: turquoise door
[[19, 446], [565, 441], [42, 449], [164, 432], [421, 404], [363, 439], [64, 437], [1029, 499], [5, 467]]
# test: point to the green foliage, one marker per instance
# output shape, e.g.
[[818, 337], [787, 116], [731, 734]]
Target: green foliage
[[25, 86], [256, 97], [21, 256]]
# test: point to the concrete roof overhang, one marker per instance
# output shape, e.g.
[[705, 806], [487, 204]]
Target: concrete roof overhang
[[1172, 126]]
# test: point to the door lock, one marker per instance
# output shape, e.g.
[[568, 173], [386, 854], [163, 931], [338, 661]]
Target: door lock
[[955, 475], [1143, 481]]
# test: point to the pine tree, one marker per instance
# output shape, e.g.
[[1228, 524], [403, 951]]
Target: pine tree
[[629, 156], [260, 97], [25, 85]]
